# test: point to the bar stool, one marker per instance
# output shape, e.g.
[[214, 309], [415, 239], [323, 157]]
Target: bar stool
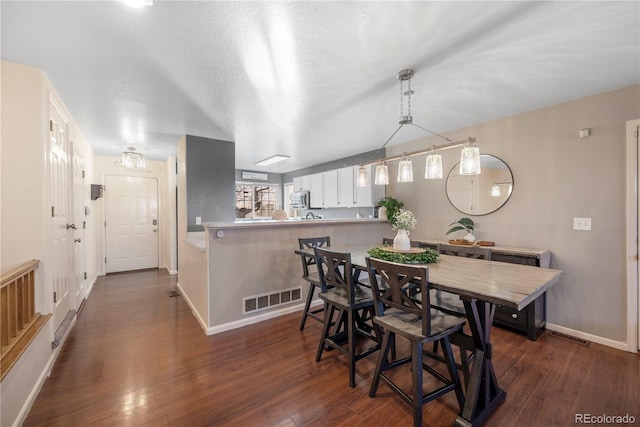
[[402, 312], [343, 294], [311, 276]]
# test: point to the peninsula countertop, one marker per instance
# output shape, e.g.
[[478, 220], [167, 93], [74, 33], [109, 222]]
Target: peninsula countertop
[[292, 222]]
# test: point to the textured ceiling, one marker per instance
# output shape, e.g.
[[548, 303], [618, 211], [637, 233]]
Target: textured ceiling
[[313, 80]]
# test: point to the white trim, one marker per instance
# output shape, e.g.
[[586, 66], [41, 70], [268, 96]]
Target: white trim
[[89, 289], [620, 345], [243, 322], [171, 272], [633, 302]]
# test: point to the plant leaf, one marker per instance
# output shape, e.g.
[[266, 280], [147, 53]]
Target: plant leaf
[[456, 228]]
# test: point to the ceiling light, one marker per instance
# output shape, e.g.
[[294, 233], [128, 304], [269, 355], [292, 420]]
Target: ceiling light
[[405, 171], [470, 160], [382, 175], [138, 3], [132, 159], [433, 168], [271, 160]]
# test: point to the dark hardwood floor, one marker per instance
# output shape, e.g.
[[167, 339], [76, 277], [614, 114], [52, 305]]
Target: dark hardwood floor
[[138, 357]]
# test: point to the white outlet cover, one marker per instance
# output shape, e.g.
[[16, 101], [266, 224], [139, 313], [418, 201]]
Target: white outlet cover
[[582, 224]]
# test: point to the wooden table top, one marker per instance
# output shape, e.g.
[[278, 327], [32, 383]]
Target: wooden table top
[[510, 285]]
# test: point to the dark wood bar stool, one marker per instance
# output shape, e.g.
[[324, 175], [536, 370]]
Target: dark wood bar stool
[[351, 303], [311, 276], [400, 311]]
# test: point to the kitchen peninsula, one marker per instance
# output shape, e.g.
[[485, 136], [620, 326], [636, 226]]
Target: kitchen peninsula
[[239, 273]]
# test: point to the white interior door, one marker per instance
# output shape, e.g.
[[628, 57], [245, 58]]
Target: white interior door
[[131, 223], [61, 227], [78, 233]]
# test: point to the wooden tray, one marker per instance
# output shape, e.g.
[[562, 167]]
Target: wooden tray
[[411, 250], [485, 243], [460, 242]]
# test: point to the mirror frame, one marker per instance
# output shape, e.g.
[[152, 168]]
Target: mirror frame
[[457, 165]]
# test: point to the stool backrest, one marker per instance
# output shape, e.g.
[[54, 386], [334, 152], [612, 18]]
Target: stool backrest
[[334, 271], [401, 287], [311, 242]]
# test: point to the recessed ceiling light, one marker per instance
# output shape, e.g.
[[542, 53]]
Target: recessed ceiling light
[[138, 3], [271, 160]]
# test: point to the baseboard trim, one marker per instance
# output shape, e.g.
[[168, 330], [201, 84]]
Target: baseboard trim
[[619, 345], [195, 313]]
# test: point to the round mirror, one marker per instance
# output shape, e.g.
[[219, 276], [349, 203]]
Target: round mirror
[[484, 193]]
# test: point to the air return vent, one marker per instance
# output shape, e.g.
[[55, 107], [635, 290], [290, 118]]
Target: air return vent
[[570, 338], [261, 302]]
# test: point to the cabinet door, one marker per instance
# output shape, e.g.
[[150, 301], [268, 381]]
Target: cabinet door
[[346, 196], [316, 191], [301, 183], [330, 189], [364, 195]]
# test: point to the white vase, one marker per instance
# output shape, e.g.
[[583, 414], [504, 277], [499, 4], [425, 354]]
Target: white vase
[[470, 237], [401, 242], [382, 212]]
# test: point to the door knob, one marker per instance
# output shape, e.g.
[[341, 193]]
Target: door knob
[[155, 230], [77, 240], [71, 226]]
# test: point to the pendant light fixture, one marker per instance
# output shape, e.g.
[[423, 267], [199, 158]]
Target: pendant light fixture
[[132, 159], [405, 171], [495, 190], [470, 160], [470, 156], [433, 166], [382, 175]]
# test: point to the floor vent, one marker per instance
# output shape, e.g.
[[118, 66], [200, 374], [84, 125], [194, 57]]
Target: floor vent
[[570, 338], [173, 294], [261, 302]]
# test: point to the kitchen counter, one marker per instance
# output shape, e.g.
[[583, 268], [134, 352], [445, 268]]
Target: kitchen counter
[[292, 222], [243, 272]]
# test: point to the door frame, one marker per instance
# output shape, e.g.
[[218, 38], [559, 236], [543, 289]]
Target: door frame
[[633, 238]]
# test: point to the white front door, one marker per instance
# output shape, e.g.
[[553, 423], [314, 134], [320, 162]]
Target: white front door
[[78, 233], [61, 227], [131, 223]]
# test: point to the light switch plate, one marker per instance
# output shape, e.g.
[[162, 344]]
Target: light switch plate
[[198, 220], [582, 224]]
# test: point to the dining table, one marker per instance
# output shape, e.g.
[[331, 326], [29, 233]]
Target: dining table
[[482, 285]]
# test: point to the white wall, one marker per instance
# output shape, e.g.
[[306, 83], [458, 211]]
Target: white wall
[[25, 220], [557, 176]]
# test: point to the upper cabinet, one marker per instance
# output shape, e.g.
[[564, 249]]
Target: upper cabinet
[[337, 188]]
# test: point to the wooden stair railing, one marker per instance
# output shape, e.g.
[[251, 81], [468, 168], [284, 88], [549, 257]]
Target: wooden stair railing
[[19, 323]]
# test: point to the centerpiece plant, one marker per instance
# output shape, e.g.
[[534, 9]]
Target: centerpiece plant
[[403, 221]]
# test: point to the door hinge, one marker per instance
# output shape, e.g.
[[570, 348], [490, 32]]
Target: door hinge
[[51, 125], [105, 260], [53, 212], [84, 224], [105, 223], [55, 297], [83, 174], [85, 275]]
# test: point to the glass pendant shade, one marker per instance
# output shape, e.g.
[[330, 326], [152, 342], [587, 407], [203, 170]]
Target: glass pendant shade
[[405, 171], [382, 175], [470, 160], [495, 190], [132, 160], [363, 179], [433, 167]]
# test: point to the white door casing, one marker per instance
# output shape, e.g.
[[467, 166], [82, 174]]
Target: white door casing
[[633, 235], [79, 215], [60, 216], [131, 223]]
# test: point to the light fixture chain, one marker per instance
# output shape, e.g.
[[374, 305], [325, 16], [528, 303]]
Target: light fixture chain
[[401, 99], [409, 98]]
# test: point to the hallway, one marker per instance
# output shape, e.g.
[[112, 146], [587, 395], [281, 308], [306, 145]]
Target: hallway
[[138, 357]]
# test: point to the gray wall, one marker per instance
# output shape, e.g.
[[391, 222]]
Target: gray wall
[[557, 176], [210, 171]]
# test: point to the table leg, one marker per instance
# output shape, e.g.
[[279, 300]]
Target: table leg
[[483, 393]]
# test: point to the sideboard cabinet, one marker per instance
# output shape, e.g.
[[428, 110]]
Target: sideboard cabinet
[[531, 320]]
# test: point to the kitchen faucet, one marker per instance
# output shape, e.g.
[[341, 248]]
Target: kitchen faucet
[[312, 215]]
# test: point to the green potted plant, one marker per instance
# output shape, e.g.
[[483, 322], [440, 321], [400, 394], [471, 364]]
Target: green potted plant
[[464, 224], [391, 207]]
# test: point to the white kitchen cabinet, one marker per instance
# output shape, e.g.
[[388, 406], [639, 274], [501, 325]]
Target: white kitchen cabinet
[[301, 183], [330, 189], [346, 185], [316, 190]]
